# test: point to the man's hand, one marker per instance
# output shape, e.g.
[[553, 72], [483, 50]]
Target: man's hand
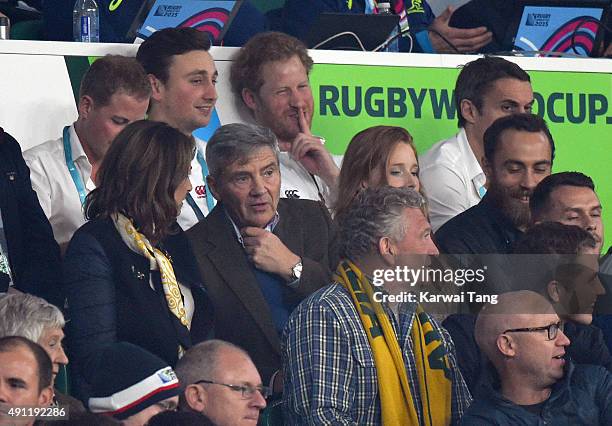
[[465, 40], [268, 253], [310, 152]]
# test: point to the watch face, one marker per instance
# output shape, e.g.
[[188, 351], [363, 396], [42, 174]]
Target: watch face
[[297, 270]]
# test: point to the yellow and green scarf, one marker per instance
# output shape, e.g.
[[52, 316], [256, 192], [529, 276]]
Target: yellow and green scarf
[[397, 404]]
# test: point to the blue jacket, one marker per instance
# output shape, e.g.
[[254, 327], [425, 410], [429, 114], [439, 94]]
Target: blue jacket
[[582, 397], [34, 255]]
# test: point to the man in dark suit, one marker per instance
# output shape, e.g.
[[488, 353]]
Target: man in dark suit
[[258, 256], [32, 253]]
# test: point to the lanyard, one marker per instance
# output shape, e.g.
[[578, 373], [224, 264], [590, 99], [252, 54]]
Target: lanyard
[[210, 202], [74, 173]]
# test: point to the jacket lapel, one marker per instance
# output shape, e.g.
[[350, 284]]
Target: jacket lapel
[[227, 255]]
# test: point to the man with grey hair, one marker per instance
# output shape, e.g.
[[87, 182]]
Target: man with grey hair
[[354, 353], [41, 322], [259, 256], [536, 383], [221, 382]]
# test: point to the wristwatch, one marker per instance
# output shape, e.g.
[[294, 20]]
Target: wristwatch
[[296, 271]]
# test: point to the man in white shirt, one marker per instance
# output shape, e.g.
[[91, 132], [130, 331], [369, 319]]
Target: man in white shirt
[[451, 170], [183, 77], [114, 92], [270, 75]]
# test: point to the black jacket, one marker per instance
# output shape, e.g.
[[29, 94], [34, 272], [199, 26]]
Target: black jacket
[[34, 255], [586, 346], [582, 397], [110, 299]]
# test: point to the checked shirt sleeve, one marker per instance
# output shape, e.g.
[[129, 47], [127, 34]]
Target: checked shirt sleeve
[[461, 398], [318, 368]]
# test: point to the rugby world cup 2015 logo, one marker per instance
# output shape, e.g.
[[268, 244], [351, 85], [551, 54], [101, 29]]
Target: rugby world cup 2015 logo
[[210, 21]]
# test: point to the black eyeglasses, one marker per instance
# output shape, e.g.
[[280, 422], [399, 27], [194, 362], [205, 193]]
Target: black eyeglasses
[[246, 391], [552, 329]]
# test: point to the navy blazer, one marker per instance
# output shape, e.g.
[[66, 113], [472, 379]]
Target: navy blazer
[[110, 299], [34, 255]]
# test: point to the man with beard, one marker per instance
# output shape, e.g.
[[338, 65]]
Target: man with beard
[[452, 170], [271, 76], [518, 154]]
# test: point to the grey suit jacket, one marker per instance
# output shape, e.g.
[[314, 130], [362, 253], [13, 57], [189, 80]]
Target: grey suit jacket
[[242, 315]]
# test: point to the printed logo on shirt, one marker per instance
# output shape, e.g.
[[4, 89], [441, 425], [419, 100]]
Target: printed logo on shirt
[[200, 191], [292, 193]]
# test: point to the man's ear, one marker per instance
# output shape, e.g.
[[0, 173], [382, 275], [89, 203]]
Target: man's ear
[[506, 345], [386, 246], [86, 105], [553, 291], [212, 185], [195, 396], [249, 99], [46, 397], [157, 87], [387, 250], [468, 111]]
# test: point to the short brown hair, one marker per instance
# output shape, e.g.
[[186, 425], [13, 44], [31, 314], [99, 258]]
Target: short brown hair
[[367, 152], [43, 362], [138, 177], [263, 48], [157, 52], [112, 74]]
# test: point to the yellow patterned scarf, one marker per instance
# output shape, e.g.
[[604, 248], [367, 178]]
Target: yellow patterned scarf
[[158, 261], [397, 404]]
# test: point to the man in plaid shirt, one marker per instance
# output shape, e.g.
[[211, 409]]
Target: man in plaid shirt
[[331, 376]]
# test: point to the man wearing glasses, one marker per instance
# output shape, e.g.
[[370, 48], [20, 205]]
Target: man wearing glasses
[[221, 382], [523, 339]]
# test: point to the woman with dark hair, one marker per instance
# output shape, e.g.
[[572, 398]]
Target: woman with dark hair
[[129, 273], [376, 156]]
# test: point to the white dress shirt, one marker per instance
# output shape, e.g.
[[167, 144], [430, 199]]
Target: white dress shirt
[[296, 182], [452, 178], [187, 218], [56, 190]]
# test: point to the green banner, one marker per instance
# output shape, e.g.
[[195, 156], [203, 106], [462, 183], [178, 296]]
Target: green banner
[[577, 107]]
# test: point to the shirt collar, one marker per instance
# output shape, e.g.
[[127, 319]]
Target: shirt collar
[[475, 172], [269, 227], [75, 144]]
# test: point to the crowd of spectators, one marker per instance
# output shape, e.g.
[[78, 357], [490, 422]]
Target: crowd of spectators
[[238, 279]]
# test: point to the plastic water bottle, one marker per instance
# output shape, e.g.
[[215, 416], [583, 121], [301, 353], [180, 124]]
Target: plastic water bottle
[[86, 21]]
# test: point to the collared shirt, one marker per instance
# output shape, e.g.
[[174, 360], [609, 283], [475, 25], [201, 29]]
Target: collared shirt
[[330, 374], [54, 186], [452, 178], [187, 218], [269, 227], [296, 182], [59, 197]]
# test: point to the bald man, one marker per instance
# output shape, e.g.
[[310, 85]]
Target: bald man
[[523, 339]]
